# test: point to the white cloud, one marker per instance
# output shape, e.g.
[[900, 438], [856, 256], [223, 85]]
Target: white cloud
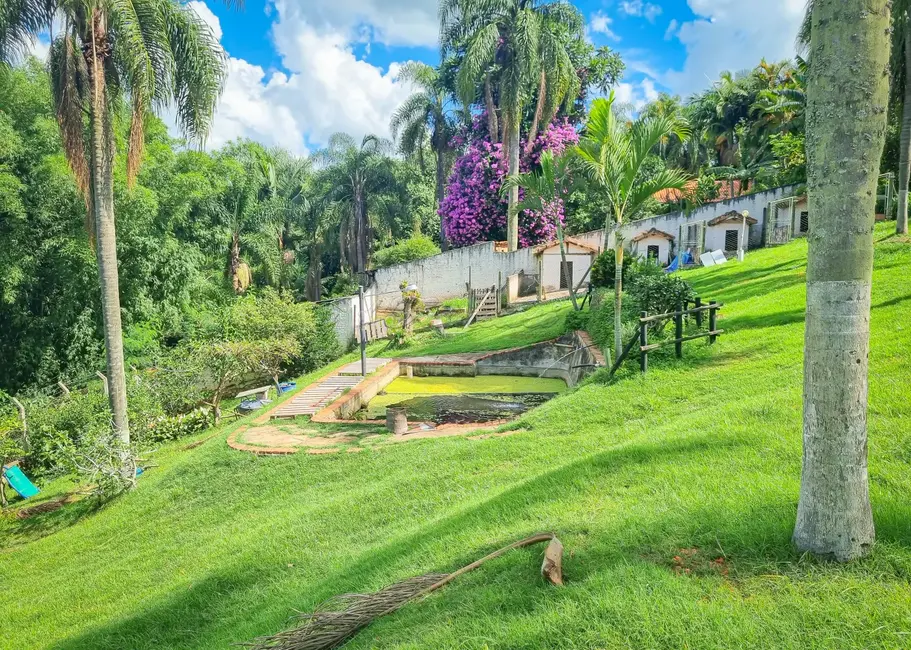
[[600, 23], [733, 35], [203, 11], [636, 95], [392, 22], [671, 29], [328, 88], [641, 9]]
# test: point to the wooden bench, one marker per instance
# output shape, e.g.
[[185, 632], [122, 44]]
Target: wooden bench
[[261, 393], [375, 331]]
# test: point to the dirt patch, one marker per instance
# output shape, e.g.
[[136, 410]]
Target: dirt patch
[[496, 434], [272, 436]]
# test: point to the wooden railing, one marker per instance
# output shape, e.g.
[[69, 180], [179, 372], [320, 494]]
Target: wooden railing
[[646, 321]]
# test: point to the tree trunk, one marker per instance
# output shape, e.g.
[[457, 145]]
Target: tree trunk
[[618, 293], [512, 215], [314, 273], [539, 113], [234, 264], [441, 181], [103, 205], [847, 98], [492, 126], [904, 154], [569, 279]]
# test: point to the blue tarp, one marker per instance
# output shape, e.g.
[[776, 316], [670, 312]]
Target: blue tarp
[[675, 265], [19, 482], [287, 385]]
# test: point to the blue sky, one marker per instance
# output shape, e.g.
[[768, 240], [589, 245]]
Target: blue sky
[[302, 69]]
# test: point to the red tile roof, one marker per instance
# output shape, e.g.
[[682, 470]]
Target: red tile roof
[[724, 192]]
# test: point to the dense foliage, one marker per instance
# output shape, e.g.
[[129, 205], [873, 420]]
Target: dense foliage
[[414, 248], [474, 209], [195, 233]]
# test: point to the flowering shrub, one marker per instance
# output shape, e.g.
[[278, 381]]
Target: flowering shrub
[[473, 209]]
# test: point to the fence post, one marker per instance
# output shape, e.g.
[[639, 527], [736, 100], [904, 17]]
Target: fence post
[[712, 309], [643, 341], [678, 331], [698, 303]]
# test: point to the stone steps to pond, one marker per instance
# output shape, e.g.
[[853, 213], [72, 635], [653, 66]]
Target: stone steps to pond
[[316, 397]]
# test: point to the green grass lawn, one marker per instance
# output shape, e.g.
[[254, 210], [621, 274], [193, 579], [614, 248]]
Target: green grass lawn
[[674, 494]]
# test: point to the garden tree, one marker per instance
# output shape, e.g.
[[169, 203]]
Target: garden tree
[[360, 178], [270, 357], [148, 52], [424, 117], [847, 97], [612, 155], [550, 184], [901, 88], [522, 45]]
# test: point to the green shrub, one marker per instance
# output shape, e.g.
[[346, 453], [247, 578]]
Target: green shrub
[[576, 320], [416, 248], [658, 294], [166, 428], [603, 268]]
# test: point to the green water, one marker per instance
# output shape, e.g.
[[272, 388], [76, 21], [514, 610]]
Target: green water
[[463, 400]]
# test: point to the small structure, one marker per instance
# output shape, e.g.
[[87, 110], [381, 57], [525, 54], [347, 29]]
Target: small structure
[[579, 258], [653, 244], [729, 232]]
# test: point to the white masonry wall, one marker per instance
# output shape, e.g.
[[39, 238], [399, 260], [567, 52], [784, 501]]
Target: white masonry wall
[[640, 248], [445, 275], [552, 261]]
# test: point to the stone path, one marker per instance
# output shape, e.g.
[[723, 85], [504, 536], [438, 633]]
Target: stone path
[[314, 398], [354, 368]]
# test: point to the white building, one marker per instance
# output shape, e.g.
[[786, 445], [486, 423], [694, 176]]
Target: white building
[[653, 244], [579, 258]]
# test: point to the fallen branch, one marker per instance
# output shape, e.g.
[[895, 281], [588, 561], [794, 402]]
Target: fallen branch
[[340, 618]]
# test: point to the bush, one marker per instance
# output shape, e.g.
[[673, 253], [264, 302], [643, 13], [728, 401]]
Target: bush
[[416, 248], [659, 294], [165, 428], [576, 320], [603, 269]]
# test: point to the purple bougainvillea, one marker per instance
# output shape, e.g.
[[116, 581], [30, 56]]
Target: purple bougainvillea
[[473, 209]]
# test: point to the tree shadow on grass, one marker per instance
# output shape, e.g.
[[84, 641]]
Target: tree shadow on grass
[[205, 614], [41, 525]]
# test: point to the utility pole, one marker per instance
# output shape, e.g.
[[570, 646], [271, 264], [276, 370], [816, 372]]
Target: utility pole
[[363, 331]]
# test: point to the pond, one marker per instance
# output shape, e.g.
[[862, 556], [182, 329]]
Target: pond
[[463, 400]]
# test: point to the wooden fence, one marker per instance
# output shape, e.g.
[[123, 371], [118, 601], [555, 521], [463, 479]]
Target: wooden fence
[[374, 331], [483, 303], [683, 312]]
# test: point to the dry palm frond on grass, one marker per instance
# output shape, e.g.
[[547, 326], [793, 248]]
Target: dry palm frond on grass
[[340, 618]]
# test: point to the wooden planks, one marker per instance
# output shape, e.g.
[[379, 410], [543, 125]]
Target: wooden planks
[[313, 399]]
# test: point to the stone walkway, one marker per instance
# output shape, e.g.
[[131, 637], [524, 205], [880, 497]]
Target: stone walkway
[[354, 368]]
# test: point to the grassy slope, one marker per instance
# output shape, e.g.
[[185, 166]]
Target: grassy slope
[[217, 546]]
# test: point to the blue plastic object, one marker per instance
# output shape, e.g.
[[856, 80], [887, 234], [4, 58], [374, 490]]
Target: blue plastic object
[[251, 405], [19, 482], [287, 385]]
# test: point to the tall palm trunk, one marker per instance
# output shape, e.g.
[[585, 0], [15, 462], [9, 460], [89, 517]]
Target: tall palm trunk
[[361, 226], [539, 113], [314, 273], [904, 154], [512, 216], [492, 126], [847, 98], [102, 158], [618, 292], [441, 182], [569, 278]]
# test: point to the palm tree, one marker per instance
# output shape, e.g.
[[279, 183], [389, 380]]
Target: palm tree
[[901, 78], [359, 172], [423, 112], [551, 183], [150, 52], [846, 123], [522, 45], [611, 156]]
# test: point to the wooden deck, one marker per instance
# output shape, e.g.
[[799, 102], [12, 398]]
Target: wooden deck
[[354, 368], [313, 399]]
